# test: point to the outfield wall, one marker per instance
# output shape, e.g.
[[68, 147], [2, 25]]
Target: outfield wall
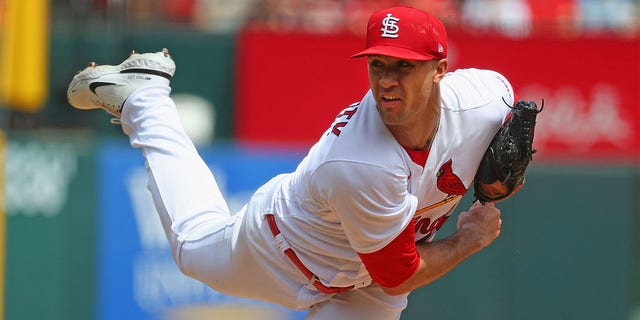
[[83, 241]]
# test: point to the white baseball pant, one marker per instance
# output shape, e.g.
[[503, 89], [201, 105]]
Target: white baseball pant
[[233, 254]]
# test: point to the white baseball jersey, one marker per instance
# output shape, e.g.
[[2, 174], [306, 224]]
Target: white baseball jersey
[[357, 189], [355, 192]]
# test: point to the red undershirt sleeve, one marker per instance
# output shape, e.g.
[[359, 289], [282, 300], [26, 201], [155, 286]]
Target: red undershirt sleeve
[[396, 262]]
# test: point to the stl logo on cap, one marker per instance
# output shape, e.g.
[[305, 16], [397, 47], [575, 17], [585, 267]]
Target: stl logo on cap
[[389, 26]]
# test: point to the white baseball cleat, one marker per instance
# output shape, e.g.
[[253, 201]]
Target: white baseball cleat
[[108, 87]]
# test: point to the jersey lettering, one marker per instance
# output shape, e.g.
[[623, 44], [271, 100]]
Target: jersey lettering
[[347, 114], [426, 227], [336, 128]]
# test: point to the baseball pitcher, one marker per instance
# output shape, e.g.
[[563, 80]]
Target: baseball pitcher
[[350, 233]]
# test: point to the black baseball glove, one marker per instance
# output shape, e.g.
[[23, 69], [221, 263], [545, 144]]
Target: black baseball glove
[[502, 168]]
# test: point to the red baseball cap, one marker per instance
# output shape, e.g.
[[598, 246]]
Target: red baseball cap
[[405, 33]]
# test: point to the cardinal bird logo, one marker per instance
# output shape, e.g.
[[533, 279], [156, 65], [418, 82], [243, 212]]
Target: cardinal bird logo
[[448, 182]]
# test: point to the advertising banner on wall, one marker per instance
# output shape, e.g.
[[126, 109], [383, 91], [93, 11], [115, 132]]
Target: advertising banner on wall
[[49, 201], [137, 277], [590, 87]]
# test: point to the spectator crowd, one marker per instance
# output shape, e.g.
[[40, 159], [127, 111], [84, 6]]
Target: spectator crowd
[[512, 18]]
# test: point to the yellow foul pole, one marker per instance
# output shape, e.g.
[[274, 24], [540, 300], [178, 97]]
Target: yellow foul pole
[[24, 51]]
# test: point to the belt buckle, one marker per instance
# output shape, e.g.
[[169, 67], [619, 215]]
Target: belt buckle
[[314, 279]]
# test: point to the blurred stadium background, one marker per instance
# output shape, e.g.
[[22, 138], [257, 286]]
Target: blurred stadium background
[[257, 82]]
